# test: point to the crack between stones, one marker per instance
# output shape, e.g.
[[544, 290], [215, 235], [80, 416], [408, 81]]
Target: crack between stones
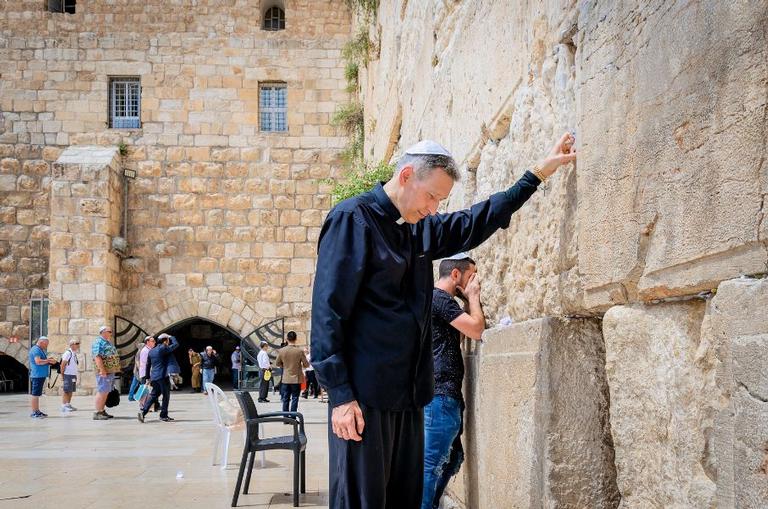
[[752, 394]]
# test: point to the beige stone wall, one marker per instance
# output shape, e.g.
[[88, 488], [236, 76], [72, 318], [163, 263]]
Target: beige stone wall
[[668, 103], [86, 214], [24, 211], [222, 218]]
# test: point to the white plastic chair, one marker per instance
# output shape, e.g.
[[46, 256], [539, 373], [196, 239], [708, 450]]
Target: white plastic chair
[[223, 431]]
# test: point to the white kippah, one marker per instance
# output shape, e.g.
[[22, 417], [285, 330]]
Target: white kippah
[[458, 256], [428, 148]]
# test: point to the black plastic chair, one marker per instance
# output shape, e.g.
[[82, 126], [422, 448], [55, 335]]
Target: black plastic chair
[[253, 443]]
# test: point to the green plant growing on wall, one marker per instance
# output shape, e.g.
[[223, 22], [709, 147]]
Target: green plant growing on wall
[[122, 148], [358, 48], [360, 180], [367, 7], [351, 73], [350, 118], [360, 177]]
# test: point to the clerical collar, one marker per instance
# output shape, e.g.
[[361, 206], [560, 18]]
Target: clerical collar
[[386, 204]]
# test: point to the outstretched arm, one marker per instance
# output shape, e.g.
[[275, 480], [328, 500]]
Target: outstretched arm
[[467, 229]]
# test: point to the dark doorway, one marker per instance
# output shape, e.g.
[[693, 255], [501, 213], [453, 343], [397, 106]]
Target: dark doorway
[[14, 376], [197, 333]]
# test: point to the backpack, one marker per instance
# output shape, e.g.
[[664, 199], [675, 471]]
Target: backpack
[[60, 367]]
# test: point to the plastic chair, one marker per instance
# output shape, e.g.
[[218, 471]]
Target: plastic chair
[[254, 442], [223, 431]]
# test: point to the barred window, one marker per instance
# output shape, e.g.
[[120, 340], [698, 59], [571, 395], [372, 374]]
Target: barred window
[[124, 102], [272, 108], [274, 19], [66, 6], [38, 318]]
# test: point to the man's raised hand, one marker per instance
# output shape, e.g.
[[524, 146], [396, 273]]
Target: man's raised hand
[[562, 153]]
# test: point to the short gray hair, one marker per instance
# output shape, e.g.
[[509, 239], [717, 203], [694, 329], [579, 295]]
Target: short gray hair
[[423, 164]]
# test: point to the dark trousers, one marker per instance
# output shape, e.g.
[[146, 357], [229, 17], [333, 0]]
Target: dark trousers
[[235, 377], [263, 386], [386, 469], [290, 392], [312, 386], [162, 388]]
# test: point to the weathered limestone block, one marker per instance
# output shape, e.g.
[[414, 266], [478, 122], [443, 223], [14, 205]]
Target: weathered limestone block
[[671, 199], [664, 398], [738, 327], [536, 392]]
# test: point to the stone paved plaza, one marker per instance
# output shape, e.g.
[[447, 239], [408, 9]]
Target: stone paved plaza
[[69, 460]]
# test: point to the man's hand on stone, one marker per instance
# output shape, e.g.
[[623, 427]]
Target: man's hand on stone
[[562, 153], [347, 421]]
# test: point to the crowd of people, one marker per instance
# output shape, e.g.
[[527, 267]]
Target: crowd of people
[[155, 366]]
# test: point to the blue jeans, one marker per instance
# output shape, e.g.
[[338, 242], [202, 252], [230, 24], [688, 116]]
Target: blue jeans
[[208, 377], [134, 385], [442, 423], [235, 377], [290, 392]]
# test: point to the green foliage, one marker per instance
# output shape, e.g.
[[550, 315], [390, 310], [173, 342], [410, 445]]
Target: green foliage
[[122, 148], [358, 48], [349, 117], [351, 73], [360, 180], [367, 7]]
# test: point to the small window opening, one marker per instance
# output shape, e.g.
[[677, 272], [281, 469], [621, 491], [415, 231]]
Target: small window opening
[[274, 19], [65, 6]]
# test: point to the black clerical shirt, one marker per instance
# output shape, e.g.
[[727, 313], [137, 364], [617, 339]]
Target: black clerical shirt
[[371, 302]]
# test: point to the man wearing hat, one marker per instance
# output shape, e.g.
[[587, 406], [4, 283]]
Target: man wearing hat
[[101, 350], [236, 363], [371, 311], [39, 367]]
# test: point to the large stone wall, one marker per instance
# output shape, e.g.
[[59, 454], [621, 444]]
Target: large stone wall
[[222, 218], [665, 205]]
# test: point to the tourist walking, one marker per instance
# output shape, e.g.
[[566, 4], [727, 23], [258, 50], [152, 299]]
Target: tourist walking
[[210, 359], [195, 361], [313, 387], [136, 381], [264, 367], [236, 366], [292, 359], [69, 372], [107, 362], [157, 367]]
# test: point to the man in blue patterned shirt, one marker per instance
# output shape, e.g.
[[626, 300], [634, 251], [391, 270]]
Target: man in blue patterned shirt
[[100, 350]]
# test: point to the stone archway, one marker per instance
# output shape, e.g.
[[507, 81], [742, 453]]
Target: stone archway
[[19, 351], [221, 308]]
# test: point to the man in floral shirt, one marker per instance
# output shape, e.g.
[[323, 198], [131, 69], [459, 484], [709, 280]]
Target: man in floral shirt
[[101, 350]]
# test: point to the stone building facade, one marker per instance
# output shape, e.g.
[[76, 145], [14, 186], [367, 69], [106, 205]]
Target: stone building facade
[[635, 371], [222, 216], [634, 374]]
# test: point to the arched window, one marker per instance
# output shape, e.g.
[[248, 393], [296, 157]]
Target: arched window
[[274, 19]]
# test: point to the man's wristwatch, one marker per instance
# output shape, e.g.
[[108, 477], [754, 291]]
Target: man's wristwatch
[[539, 174]]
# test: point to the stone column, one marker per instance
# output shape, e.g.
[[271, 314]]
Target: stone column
[[86, 205]]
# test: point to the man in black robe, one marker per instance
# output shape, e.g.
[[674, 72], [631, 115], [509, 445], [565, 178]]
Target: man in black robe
[[371, 311]]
